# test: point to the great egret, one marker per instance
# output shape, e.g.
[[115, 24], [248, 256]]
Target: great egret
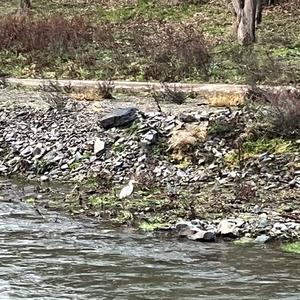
[[127, 190]]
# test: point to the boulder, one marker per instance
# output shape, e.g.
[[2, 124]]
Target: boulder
[[226, 227], [261, 239], [118, 117], [203, 236], [187, 232]]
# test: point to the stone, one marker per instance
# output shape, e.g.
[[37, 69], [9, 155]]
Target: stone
[[226, 228], [26, 151], [99, 146], [3, 168], [183, 225], [150, 137], [64, 167], [14, 161], [262, 239], [44, 178], [187, 118], [239, 222], [50, 156], [118, 117], [279, 226], [38, 151], [180, 173], [186, 232], [204, 236]]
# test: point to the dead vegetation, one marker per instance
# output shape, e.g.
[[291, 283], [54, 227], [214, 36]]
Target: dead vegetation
[[105, 89], [56, 33], [170, 94], [184, 139], [56, 101], [223, 99], [277, 110], [158, 50]]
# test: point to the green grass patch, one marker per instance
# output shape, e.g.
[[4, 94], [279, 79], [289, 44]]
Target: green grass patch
[[291, 247], [244, 241], [154, 223], [275, 145], [252, 149], [136, 42]]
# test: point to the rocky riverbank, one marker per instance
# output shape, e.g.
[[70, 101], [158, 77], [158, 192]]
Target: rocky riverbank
[[210, 166]]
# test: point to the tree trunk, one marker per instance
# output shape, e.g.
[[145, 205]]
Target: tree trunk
[[25, 4], [245, 12], [259, 7]]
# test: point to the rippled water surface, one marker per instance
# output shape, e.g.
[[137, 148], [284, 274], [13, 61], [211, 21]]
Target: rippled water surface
[[51, 256]]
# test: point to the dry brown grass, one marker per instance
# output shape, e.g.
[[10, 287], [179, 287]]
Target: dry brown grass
[[285, 105], [221, 99], [182, 140], [104, 90], [87, 95], [22, 34]]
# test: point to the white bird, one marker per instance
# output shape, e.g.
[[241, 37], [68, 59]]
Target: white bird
[[127, 190]]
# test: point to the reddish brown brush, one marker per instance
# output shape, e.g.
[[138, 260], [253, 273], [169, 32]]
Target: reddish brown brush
[[172, 50], [156, 49], [286, 104], [23, 34]]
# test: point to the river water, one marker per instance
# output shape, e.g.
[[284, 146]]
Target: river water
[[47, 255]]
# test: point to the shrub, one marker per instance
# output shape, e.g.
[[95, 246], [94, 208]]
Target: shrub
[[105, 89], [153, 50], [169, 94], [161, 51], [280, 110], [25, 35]]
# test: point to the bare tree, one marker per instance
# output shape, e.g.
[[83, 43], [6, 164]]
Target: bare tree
[[246, 14], [259, 8], [25, 4]]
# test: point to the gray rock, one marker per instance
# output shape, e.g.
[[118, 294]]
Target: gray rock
[[263, 221], [279, 226], [118, 117], [186, 232], [180, 173], [187, 118], [64, 167], [50, 156], [93, 158], [99, 146], [262, 239], [14, 161], [3, 168], [26, 151], [44, 178], [226, 227], [38, 151], [183, 225], [150, 137], [201, 235], [196, 222], [77, 156]]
